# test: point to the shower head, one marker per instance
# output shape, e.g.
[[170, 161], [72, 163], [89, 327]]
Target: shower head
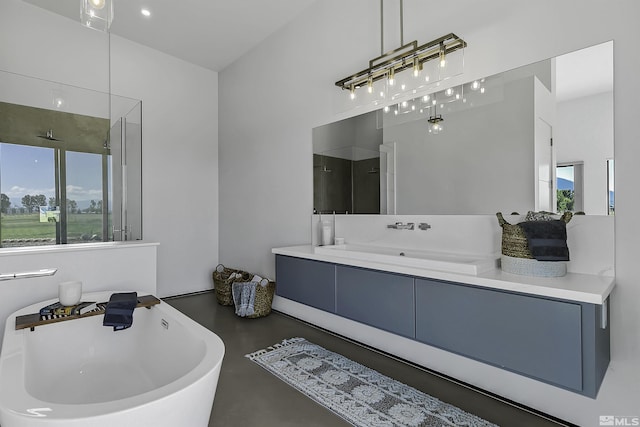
[[49, 136], [324, 168]]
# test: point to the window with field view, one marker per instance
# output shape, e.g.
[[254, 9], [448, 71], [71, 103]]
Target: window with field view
[[31, 180]]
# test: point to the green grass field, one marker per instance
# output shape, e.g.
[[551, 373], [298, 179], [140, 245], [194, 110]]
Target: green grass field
[[28, 226]]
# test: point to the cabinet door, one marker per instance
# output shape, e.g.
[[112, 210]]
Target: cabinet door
[[306, 281], [383, 300], [537, 337]]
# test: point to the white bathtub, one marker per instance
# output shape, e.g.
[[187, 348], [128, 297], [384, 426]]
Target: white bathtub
[[163, 371]]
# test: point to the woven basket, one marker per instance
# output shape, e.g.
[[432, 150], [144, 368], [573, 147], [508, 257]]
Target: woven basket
[[516, 257], [263, 300], [223, 278], [514, 241]]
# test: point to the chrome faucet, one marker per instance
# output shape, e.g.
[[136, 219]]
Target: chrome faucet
[[424, 226], [401, 226]]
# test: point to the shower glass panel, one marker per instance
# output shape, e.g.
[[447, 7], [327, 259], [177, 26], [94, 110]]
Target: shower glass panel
[[125, 175], [133, 173], [116, 231], [70, 164], [85, 202]]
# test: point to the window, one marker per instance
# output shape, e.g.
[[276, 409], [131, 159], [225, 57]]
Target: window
[[611, 193], [569, 184]]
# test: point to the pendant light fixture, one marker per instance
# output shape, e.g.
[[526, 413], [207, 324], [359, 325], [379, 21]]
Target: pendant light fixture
[[435, 121], [96, 14], [408, 56]]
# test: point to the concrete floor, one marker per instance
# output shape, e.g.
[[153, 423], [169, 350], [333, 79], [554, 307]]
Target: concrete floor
[[248, 395]]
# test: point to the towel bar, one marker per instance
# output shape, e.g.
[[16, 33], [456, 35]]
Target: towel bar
[[28, 274]]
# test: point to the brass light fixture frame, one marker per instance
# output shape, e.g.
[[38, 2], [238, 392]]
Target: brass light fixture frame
[[402, 58]]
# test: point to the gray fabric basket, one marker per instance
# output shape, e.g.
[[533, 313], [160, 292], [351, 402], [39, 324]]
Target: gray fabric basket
[[533, 267]]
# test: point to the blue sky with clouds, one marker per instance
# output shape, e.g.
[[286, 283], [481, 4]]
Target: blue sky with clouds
[[30, 170]]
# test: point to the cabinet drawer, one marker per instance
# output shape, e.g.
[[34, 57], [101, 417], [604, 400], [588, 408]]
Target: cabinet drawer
[[533, 336], [306, 281], [383, 300]]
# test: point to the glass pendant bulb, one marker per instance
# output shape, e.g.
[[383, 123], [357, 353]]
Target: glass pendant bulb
[[392, 77], [96, 14], [353, 92], [97, 4], [442, 59], [370, 85], [416, 67]]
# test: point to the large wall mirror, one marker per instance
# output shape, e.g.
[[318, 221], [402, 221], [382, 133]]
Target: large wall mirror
[[539, 137]]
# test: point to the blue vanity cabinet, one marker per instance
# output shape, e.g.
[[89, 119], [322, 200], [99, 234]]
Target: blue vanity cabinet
[[555, 341], [306, 281], [380, 299], [560, 342]]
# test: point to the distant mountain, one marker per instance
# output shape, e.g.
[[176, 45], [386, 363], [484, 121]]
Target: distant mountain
[[564, 184]]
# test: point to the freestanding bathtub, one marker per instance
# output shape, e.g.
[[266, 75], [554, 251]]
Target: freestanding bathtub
[[162, 371]]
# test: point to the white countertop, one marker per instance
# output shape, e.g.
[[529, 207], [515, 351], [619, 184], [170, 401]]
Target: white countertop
[[573, 286]]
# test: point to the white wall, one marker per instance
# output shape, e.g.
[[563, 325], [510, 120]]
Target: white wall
[[266, 160], [179, 161], [180, 128]]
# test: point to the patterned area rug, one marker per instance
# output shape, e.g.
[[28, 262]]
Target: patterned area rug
[[358, 394]]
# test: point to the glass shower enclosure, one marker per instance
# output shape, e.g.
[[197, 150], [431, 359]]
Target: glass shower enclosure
[[70, 164]]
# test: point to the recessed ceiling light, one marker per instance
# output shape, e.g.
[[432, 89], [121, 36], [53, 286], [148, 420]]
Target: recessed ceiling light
[[145, 12]]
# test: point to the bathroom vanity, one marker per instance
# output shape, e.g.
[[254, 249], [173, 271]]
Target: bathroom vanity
[[555, 330]]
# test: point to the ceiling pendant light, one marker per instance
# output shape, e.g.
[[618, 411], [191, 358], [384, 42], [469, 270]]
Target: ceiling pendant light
[[96, 14], [407, 56], [435, 121]]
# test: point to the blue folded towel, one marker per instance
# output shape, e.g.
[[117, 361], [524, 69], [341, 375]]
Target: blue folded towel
[[547, 240], [119, 310], [244, 294]]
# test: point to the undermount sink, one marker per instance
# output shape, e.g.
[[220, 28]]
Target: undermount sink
[[454, 263]]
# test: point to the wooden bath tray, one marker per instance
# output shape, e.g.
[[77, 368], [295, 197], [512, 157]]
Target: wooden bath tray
[[36, 319]]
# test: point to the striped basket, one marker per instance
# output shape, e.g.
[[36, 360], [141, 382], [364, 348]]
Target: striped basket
[[514, 241], [516, 256], [223, 278]]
